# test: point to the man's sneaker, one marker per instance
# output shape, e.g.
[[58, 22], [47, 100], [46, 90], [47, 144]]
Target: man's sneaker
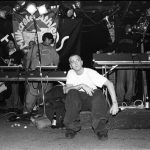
[[70, 134], [103, 136]]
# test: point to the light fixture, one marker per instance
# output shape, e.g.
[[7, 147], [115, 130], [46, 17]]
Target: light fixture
[[128, 28], [148, 12], [16, 8], [3, 14], [71, 13], [100, 1], [19, 5], [77, 4], [42, 9], [31, 8]]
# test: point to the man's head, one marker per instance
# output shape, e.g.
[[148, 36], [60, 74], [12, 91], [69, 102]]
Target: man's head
[[11, 44], [31, 44], [76, 62], [47, 38]]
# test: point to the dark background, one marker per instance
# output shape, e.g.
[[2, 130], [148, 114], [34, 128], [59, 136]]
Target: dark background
[[94, 32], [95, 35]]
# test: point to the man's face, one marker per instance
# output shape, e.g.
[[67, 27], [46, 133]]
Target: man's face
[[76, 63], [47, 41], [31, 44], [11, 45]]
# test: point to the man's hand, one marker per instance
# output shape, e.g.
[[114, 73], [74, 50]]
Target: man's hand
[[64, 89], [87, 89], [20, 65], [114, 109], [7, 61]]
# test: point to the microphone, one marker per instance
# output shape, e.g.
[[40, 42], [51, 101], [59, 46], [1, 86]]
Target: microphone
[[112, 68]]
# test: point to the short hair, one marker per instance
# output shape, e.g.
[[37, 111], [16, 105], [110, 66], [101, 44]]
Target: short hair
[[74, 55], [47, 35], [12, 42]]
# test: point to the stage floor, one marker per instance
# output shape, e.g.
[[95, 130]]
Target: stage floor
[[31, 138]]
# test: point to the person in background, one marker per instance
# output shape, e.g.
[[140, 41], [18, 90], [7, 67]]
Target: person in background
[[2, 63], [83, 91], [13, 54], [30, 47], [49, 57], [13, 57], [126, 78]]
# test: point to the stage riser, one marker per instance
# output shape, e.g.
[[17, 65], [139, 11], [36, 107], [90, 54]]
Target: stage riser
[[127, 119]]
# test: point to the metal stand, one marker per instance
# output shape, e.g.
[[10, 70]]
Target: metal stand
[[144, 81], [105, 73], [40, 68]]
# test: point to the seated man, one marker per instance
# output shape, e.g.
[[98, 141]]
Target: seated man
[[81, 91], [49, 56]]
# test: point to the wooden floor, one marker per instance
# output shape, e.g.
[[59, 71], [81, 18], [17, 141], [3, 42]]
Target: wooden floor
[[126, 119], [122, 135], [28, 137]]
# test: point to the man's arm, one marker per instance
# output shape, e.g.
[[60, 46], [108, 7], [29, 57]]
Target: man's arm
[[68, 87], [111, 90], [28, 58], [85, 87], [31, 55], [56, 58], [114, 108]]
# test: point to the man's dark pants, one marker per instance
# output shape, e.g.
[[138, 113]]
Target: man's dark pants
[[76, 101]]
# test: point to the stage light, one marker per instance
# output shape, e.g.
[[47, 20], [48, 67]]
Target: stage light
[[31, 8], [42, 10], [70, 13], [21, 3], [3, 14], [148, 12], [77, 4], [54, 7], [67, 12], [16, 8], [128, 29]]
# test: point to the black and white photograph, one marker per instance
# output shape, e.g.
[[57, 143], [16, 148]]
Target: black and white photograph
[[74, 75]]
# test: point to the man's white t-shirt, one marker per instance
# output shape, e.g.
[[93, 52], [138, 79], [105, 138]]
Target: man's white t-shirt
[[89, 77]]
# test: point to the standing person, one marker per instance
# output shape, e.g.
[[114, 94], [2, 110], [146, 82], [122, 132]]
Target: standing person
[[31, 44], [126, 78], [49, 57], [13, 57], [30, 47], [22, 88], [82, 91]]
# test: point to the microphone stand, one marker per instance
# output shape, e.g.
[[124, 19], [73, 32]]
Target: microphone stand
[[112, 68], [40, 68]]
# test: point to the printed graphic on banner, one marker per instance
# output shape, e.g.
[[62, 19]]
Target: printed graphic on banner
[[67, 35], [24, 28]]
